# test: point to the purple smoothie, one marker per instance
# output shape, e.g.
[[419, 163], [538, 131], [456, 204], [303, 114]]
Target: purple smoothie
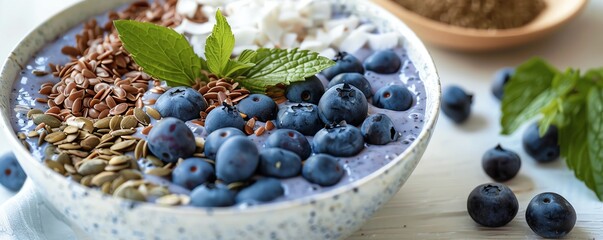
[[408, 123]]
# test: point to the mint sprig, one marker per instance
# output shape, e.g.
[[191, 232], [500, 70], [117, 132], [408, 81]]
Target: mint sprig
[[166, 55], [568, 100], [161, 52]]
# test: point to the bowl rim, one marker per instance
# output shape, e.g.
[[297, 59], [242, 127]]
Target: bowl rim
[[396, 24], [418, 19]]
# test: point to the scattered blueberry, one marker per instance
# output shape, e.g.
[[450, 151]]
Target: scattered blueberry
[[263, 190], [183, 103], [550, 215], [212, 196], [501, 164], [355, 79], [279, 163], [344, 63], [456, 104], [302, 117], [543, 149], [384, 61], [193, 172], [393, 97], [343, 102], [378, 129], [492, 205], [260, 106], [237, 159], [224, 116], [171, 139], [216, 138], [338, 140], [323, 170], [501, 77], [308, 91], [12, 175]]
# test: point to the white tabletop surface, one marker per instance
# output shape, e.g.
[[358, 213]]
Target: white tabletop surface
[[432, 204]]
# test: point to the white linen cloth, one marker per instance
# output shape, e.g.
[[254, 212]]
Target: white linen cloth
[[27, 216]]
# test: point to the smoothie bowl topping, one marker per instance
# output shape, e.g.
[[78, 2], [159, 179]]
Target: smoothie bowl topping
[[179, 104]]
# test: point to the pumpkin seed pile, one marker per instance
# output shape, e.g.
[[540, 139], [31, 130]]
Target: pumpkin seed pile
[[105, 153]]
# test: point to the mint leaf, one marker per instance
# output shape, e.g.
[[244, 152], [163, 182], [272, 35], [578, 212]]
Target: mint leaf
[[563, 84], [246, 56], [526, 93], [282, 66], [160, 51], [219, 46], [589, 168], [234, 68]]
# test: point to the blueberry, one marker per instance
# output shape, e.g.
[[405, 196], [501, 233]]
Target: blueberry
[[193, 172], [355, 79], [224, 116], [171, 139], [212, 196], [323, 170], [215, 139], [291, 140], [237, 160], [456, 104], [302, 117], [263, 190], [543, 149], [550, 215], [183, 103], [279, 163], [338, 140], [501, 77], [393, 97], [344, 63], [378, 129], [12, 175], [501, 164], [308, 91], [343, 102], [384, 61], [492, 205], [260, 106]]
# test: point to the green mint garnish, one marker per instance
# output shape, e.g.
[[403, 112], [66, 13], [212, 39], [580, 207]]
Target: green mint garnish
[[161, 52], [568, 100], [166, 55], [274, 66]]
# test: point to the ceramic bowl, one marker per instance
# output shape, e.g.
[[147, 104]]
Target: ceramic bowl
[[332, 214], [556, 14]]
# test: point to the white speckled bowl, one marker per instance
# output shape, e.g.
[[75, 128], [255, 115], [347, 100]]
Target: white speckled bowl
[[330, 215]]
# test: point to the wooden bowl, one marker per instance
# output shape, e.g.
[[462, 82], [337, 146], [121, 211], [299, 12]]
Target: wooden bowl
[[556, 14]]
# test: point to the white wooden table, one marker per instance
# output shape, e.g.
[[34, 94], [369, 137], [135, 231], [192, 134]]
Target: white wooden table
[[432, 204]]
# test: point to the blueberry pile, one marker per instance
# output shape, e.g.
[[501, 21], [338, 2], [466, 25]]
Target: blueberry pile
[[548, 214], [234, 169]]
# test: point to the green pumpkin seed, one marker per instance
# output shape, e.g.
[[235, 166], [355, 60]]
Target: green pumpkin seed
[[49, 120], [106, 188], [160, 172], [122, 132], [55, 137], [90, 142], [168, 200], [104, 177], [121, 146], [128, 122], [142, 117], [130, 174], [32, 112], [115, 122], [92, 166], [103, 123], [153, 113], [119, 160]]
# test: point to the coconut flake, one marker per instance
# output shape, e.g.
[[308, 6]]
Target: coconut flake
[[186, 8], [383, 41]]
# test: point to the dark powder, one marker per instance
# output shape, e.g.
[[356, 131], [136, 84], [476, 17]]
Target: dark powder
[[480, 14]]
